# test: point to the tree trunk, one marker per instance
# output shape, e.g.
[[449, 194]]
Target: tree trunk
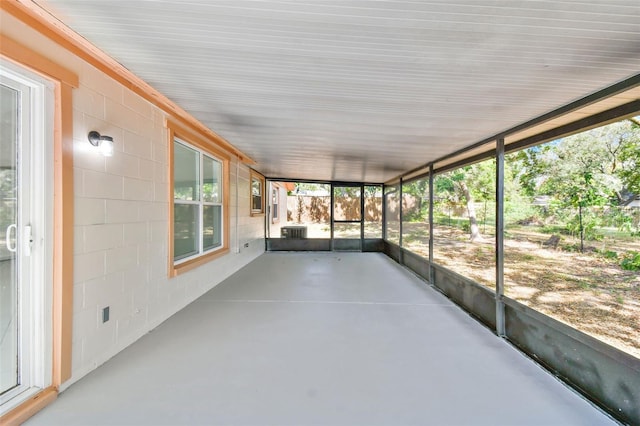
[[581, 229], [471, 209]]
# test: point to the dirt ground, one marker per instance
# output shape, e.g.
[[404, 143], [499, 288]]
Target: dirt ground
[[587, 291]]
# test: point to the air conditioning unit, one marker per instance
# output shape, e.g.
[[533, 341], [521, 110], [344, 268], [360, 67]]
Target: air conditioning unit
[[293, 232]]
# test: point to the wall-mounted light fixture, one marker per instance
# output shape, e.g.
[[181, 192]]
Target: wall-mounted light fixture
[[103, 143]]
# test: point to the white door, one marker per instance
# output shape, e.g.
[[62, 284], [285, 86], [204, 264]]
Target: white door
[[25, 240]]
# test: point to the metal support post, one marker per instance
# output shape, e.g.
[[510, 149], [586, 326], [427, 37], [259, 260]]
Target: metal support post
[[500, 325], [331, 218], [384, 213], [431, 277], [400, 214], [362, 218]]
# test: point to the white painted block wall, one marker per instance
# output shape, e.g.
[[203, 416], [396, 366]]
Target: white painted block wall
[[121, 216]]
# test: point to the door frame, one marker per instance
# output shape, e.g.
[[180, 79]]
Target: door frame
[[347, 244], [34, 176], [63, 81]]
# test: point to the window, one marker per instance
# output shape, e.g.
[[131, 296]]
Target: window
[[257, 194], [197, 202], [274, 203], [199, 212]]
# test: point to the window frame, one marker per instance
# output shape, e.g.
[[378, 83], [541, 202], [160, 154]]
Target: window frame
[[205, 147], [255, 176], [200, 202]]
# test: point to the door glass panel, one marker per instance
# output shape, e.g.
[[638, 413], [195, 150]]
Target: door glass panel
[[9, 104]]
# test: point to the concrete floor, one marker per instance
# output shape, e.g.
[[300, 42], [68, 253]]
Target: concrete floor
[[320, 338]]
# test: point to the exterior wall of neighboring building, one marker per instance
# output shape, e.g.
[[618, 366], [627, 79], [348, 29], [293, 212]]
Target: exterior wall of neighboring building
[[277, 203]]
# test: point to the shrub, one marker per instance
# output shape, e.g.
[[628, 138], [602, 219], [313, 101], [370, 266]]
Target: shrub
[[571, 247], [589, 225], [609, 254], [631, 261], [552, 229]]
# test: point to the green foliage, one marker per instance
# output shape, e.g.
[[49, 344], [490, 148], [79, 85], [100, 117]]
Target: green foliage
[[418, 191], [626, 138], [622, 219], [590, 222], [585, 170], [610, 254], [303, 187], [481, 179], [515, 212], [631, 261], [574, 186], [532, 165], [373, 191], [478, 177], [571, 247], [590, 168]]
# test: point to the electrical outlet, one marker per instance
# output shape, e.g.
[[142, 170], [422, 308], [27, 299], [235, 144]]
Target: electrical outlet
[[105, 314], [246, 245]]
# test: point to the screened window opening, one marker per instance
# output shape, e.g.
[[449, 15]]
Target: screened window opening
[[392, 213], [373, 211], [197, 198]]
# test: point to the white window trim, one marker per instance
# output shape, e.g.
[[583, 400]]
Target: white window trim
[[261, 179]]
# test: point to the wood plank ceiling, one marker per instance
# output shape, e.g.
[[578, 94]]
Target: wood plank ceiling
[[363, 90]]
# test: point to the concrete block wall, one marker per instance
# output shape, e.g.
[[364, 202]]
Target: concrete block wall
[[122, 207], [121, 227]]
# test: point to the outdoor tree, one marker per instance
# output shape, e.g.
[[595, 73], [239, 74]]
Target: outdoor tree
[[481, 179], [593, 168], [629, 156], [418, 190], [468, 184]]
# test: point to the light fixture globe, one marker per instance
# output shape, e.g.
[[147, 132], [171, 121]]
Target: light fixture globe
[[106, 146]]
